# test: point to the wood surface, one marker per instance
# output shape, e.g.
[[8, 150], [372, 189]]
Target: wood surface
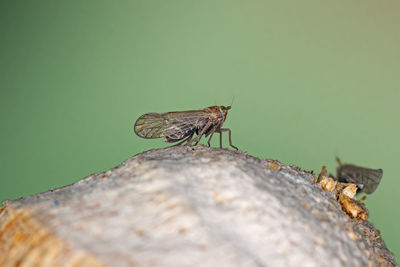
[[190, 206]]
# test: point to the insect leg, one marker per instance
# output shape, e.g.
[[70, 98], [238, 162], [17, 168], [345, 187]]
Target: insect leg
[[230, 138], [197, 139], [184, 140], [189, 140], [211, 135], [220, 139]]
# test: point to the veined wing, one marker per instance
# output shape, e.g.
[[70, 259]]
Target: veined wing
[[367, 179], [371, 180], [173, 125], [150, 125]]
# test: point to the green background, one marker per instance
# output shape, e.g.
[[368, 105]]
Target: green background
[[311, 79]]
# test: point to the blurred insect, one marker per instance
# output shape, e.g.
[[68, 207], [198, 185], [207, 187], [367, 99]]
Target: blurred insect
[[367, 180], [182, 125]]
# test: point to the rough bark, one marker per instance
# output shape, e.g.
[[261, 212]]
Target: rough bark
[[188, 206]]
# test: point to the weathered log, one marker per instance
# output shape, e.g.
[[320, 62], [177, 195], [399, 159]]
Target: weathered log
[[189, 206]]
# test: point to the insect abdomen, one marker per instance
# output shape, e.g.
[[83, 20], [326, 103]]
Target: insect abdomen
[[174, 138]]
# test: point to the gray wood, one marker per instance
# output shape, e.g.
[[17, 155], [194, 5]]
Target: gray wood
[[199, 206]]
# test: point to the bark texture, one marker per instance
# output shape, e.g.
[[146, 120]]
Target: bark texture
[[188, 206]]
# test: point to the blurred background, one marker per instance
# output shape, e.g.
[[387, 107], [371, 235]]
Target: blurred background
[[311, 80]]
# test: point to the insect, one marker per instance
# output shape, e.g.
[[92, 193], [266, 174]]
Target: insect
[[367, 180], [182, 125]]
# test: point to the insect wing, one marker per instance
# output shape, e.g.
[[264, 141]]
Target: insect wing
[[366, 179], [150, 125], [349, 174], [174, 126], [371, 180], [182, 124]]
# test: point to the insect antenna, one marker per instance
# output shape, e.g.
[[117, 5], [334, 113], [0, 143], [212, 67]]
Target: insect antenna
[[233, 98]]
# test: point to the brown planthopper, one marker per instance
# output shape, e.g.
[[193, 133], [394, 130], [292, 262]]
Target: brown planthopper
[[367, 180], [182, 125]]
